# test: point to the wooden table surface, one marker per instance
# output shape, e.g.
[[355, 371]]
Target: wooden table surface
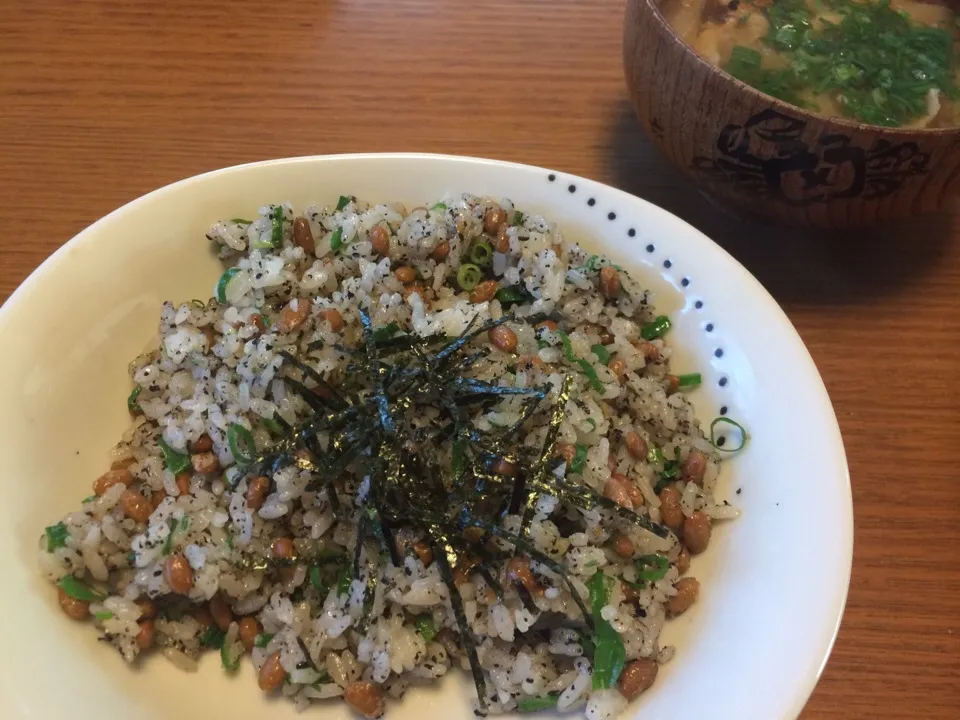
[[101, 101]]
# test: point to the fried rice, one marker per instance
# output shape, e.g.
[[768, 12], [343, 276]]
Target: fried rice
[[524, 505]]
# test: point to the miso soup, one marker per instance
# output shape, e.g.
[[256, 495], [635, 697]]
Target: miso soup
[[882, 62]]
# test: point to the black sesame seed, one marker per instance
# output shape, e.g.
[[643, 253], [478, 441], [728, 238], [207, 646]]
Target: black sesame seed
[[721, 441], [739, 490], [723, 410]]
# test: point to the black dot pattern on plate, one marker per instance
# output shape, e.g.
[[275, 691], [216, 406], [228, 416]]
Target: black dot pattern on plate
[[721, 441], [685, 282]]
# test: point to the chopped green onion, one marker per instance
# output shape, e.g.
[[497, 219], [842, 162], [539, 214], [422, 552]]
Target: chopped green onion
[[343, 580], [180, 528], [584, 365], [105, 615], [212, 637], [385, 332], [276, 231], [425, 626], [222, 284], [263, 639], [241, 444], [530, 703], [132, 407], [579, 459], [198, 304], [241, 221], [175, 461], [593, 423], [671, 468], [651, 568], [230, 661], [689, 380], [743, 434], [76, 589], [468, 276], [272, 426], [229, 541], [56, 536], [317, 580], [458, 460], [517, 218], [481, 254], [342, 202], [655, 455], [610, 654], [512, 295], [336, 240], [439, 206], [601, 352], [89, 498], [541, 344], [656, 329]]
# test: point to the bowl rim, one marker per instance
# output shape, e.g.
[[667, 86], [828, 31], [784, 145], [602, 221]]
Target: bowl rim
[[805, 686], [663, 26]]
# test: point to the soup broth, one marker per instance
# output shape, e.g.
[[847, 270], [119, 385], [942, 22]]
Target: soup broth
[[882, 62]]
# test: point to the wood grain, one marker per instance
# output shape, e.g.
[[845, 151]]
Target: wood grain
[[102, 101]]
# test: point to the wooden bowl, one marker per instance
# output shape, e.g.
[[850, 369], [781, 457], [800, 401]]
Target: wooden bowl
[[770, 159]]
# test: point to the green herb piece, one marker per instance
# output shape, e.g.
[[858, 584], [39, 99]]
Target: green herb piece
[[743, 435], [263, 639], [102, 616], [317, 580], [77, 590], [610, 654], [655, 455], [584, 364], [481, 254], [425, 626], [439, 206], [671, 468], [212, 637], [385, 332], [241, 221], [529, 703], [56, 536], [229, 541], [178, 529], [745, 65], [344, 580], [89, 498], [603, 355], [272, 426], [657, 328], [174, 460], [517, 218], [594, 261], [468, 276], [342, 203], [132, 407], [222, 283], [579, 458], [336, 240], [593, 423], [276, 229], [512, 295], [689, 380], [459, 458], [541, 344], [230, 656], [241, 444], [651, 568]]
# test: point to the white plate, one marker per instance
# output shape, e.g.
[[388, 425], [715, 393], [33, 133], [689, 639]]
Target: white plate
[[774, 582]]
